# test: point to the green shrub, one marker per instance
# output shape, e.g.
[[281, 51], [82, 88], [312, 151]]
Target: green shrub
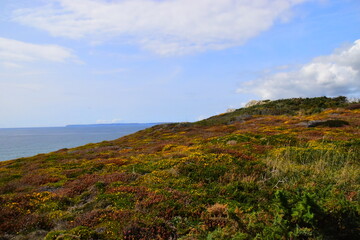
[[78, 233]]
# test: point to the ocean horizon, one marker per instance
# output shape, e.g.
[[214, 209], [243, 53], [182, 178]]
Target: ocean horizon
[[26, 142]]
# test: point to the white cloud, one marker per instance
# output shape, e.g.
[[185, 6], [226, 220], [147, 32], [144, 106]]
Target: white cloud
[[332, 75], [10, 65], [12, 52], [166, 27]]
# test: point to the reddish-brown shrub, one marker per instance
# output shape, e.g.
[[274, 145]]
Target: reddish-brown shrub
[[89, 219], [123, 215], [13, 186], [21, 222], [217, 210], [78, 186], [39, 179], [123, 177], [152, 198], [215, 222], [138, 231]]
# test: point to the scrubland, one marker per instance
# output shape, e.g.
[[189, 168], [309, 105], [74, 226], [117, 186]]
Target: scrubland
[[256, 173]]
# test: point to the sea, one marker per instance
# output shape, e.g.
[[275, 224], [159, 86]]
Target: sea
[[26, 142]]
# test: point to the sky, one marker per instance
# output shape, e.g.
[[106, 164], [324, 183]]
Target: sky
[[115, 61]]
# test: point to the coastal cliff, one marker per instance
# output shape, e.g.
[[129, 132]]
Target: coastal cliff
[[260, 172]]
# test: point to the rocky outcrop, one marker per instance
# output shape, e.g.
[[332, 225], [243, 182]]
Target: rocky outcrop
[[256, 102], [327, 123]]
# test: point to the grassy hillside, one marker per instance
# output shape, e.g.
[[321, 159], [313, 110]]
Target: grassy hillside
[[263, 172]]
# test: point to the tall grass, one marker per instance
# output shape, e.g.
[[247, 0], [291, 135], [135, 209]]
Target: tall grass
[[315, 162]]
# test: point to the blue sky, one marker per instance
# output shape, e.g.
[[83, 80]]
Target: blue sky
[[105, 61]]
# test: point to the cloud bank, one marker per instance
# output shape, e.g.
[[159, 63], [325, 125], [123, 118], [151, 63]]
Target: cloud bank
[[165, 27], [332, 75], [12, 52]]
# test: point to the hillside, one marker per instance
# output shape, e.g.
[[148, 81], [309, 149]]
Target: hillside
[[286, 169]]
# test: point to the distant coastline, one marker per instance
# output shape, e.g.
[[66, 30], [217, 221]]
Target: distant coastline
[[29, 141], [114, 124]]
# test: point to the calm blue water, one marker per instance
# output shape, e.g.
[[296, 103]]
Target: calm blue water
[[26, 142]]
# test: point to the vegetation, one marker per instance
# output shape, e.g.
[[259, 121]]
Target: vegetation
[[294, 106], [255, 173]]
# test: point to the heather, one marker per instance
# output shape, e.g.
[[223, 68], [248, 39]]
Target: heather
[[261, 172]]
